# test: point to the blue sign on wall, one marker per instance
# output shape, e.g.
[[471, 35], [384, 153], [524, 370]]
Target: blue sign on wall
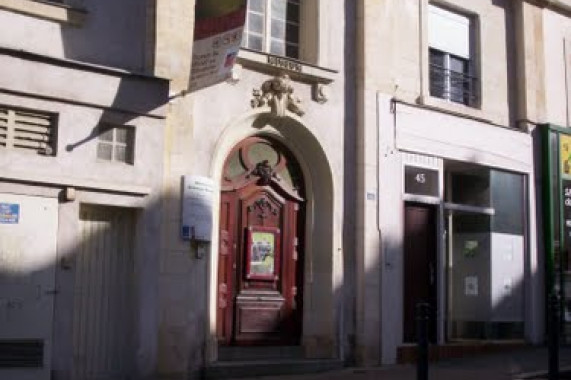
[[9, 213]]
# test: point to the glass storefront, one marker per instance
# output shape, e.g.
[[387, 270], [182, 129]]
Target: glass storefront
[[485, 225], [557, 220]]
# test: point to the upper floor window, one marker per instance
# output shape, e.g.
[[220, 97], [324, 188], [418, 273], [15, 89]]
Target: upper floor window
[[451, 56], [272, 26]]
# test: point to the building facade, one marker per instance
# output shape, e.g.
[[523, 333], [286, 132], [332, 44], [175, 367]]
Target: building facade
[[364, 156], [447, 191], [82, 139], [271, 140]]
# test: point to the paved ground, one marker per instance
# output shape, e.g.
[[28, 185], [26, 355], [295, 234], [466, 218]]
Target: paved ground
[[518, 364]]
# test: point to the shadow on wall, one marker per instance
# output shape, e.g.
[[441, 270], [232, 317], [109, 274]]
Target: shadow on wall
[[511, 58], [102, 285], [84, 309], [117, 35], [114, 34]]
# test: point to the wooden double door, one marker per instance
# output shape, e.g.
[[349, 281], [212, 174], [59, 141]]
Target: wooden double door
[[260, 261]]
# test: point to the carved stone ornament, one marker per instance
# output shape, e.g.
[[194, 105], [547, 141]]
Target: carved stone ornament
[[265, 172], [320, 93], [277, 93]]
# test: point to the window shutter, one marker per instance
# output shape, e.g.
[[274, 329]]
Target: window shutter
[[449, 32], [25, 130]]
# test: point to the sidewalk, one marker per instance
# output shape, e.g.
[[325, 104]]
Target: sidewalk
[[517, 364]]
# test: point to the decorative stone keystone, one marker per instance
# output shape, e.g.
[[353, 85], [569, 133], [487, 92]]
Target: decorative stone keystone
[[278, 94]]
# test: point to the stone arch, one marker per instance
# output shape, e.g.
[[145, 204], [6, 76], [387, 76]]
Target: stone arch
[[323, 236]]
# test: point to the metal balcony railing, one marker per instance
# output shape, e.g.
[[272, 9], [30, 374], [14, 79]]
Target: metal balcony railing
[[452, 85]]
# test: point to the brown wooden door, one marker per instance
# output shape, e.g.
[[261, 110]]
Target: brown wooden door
[[260, 258], [419, 267]]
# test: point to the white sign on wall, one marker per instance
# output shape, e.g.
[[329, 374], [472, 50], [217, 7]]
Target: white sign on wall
[[197, 200]]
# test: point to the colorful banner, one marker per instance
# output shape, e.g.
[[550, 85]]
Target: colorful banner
[[218, 31]]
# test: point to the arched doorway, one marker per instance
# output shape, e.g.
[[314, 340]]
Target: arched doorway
[[260, 256]]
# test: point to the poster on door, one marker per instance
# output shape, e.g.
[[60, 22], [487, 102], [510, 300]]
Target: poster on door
[[218, 31], [263, 252]]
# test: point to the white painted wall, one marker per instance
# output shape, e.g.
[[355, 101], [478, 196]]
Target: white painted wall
[[27, 278]]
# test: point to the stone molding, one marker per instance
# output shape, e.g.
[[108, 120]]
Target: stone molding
[[277, 93], [46, 10]]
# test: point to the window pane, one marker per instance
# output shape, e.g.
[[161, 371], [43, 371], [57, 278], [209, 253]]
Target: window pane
[[279, 9], [107, 135], [104, 151], [121, 154], [292, 51], [277, 47], [257, 5], [437, 74], [436, 57], [255, 42], [292, 33], [459, 80], [293, 12], [278, 29], [458, 65], [255, 23], [121, 135], [470, 189]]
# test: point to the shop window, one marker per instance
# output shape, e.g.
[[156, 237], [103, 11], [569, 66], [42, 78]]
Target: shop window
[[451, 56], [486, 254], [28, 131], [116, 143], [273, 26]]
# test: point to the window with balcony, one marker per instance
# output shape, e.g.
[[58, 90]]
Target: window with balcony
[[451, 57], [272, 26]]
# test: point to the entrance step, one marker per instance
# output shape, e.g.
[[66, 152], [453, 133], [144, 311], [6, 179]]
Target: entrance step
[[255, 368], [259, 353]]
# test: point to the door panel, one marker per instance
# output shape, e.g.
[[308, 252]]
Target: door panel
[[226, 267], [419, 267], [259, 278], [103, 294], [28, 235]]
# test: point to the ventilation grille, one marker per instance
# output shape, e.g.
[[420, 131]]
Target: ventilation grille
[[21, 353], [25, 130]]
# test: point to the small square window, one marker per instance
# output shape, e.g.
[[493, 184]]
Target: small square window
[[116, 143]]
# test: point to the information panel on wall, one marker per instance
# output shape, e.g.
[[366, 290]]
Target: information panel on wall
[[420, 181], [197, 204]]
